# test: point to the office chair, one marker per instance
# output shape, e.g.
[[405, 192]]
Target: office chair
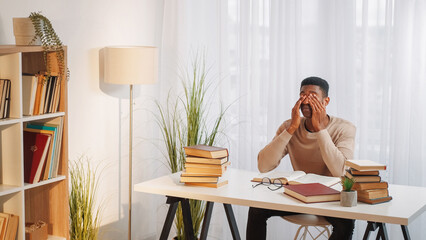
[[317, 223]]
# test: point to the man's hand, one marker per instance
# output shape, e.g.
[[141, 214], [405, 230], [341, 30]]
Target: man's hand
[[319, 116], [295, 116]]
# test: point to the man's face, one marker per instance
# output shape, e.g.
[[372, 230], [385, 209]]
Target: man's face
[[313, 90]]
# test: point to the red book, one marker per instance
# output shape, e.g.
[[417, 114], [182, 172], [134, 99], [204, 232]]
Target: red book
[[35, 153], [312, 192]]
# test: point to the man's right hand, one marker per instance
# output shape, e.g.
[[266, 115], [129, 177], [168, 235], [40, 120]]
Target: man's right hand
[[295, 116]]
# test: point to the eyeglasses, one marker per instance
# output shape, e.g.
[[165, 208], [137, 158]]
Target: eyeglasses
[[272, 185]]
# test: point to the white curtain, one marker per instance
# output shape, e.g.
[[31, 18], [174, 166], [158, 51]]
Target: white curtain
[[372, 53]]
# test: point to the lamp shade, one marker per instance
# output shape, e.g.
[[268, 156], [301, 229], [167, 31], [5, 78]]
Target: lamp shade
[[130, 65]]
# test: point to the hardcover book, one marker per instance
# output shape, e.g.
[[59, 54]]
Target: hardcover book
[[195, 179], [373, 193], [363, 173], [206, 151], [211, 166], [375, 201], [219, 161], [370, 185], [363, 165], [211, 185], [36, 146], [366, 178], [312, 192]]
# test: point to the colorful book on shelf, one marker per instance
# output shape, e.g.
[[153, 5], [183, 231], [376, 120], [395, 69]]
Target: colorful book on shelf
[[50, 154], [373, 193], [55, 104], [191, 159], [43, 96], [220, 183], [6, 103], [40, 82], [2, 82], [366, 178], [375, 200], [5, 98], [49, 94], [29, 90], [312, 192], [363, 165], [297, 177], [206, 151], [12, 227], [55, 122], [53, 129], [370, 185], [5, 220], [355, 172], [36, 146], [5, 217]]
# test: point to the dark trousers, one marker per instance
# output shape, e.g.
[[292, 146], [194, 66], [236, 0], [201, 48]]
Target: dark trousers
[[257, 217]]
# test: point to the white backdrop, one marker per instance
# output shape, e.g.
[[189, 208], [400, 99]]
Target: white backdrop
[[373, 53]]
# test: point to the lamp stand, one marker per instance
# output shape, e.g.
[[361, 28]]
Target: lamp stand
[[130, 161]]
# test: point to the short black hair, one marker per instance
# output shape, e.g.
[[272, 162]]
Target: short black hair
[[323, 84]]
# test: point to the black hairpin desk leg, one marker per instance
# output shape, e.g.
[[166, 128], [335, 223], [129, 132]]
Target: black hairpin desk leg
[[383, 233], [206, 221], [231, 221], [187, 221]]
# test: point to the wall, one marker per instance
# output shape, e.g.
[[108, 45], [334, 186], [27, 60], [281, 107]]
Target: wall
[[99, 113]]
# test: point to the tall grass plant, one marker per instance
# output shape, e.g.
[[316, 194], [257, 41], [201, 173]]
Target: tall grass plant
[[184, 122], [85, 215]]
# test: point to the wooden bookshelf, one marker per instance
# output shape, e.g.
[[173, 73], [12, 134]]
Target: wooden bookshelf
[[46, 200]]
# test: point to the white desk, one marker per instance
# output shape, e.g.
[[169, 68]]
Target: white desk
[[407, 204]]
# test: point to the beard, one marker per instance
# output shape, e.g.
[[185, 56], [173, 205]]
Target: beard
[[306, 110]]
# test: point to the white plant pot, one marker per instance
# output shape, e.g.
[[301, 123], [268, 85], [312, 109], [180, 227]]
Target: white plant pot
[[348, 199], [24, 32]]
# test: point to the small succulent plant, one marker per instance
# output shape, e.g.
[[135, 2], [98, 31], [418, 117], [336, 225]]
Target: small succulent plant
[[347, 183]]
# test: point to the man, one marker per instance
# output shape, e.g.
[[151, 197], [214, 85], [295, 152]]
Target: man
[[316, 143]]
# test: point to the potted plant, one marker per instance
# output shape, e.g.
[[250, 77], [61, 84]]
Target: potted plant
[[38, 30], [348, 197], [183, 122]]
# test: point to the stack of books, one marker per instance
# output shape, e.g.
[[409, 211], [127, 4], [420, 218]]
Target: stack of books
[[40, 94], [42, 149], [205, 166], [5, 86], [368, 183], [8, 226]]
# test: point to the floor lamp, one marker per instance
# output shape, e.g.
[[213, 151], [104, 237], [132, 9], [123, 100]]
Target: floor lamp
[[130, 65]]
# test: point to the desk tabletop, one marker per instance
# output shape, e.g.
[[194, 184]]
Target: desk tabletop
[[408, 201]]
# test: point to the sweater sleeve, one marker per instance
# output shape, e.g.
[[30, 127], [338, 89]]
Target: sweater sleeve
[[270, 156], [336, 153]]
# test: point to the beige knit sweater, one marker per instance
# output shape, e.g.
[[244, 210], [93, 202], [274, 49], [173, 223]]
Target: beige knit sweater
[[322, 152]]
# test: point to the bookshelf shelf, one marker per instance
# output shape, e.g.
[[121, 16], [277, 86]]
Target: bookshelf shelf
[[41, 183], [8, 189], [9, 121], [46, 200], [44, 116]]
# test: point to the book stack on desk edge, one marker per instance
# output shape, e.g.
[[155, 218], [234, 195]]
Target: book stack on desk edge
[[205, 166], [368, 183]]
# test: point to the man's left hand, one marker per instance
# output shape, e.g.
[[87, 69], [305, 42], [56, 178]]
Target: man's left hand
[[319, 115]]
